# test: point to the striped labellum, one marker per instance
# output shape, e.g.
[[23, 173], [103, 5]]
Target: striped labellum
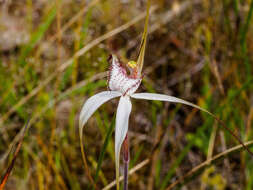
[[119, 80]]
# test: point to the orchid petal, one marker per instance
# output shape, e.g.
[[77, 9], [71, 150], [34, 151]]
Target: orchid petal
[[93, 103], [163, 97], [122, 117], [89, 107]]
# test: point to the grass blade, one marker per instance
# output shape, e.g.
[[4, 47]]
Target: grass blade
[[10, 167], [102, 153], [37, 36], [246, 26], [243, 40]]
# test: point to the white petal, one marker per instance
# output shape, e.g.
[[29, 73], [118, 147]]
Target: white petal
[[163, 97], [89, 107], [93, 103], [122, 117]]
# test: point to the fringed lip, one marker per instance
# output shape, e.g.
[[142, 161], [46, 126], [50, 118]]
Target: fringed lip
[[119, 80]]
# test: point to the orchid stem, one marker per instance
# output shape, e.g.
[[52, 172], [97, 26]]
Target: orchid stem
[[126, 158]]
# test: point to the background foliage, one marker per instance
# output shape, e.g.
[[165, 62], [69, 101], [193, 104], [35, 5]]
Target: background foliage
[[53, 56]]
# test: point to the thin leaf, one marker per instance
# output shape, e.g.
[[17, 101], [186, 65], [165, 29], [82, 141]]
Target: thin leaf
[[243, 41], [180, 158], [122, 118], [162, 97], [10, 167], [245, 28], [175, 165], [102, 153], [37, 36], [141, 54]]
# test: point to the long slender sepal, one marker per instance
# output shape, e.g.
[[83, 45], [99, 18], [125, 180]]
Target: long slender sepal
[[93, 103], [89, 107], [162, 97], [141, 54], [122, 118]]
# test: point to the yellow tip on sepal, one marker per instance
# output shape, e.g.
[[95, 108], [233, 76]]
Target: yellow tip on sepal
[[132, 64]]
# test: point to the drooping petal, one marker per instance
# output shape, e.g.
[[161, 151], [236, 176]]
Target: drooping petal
[[89, 107], [163, 97], [122, 117], [93, 103]]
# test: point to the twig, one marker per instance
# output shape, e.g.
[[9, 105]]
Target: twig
[[132, 171], [74, 19]]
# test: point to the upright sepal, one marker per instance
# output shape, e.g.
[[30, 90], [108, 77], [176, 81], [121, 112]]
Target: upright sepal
[[141, 54]]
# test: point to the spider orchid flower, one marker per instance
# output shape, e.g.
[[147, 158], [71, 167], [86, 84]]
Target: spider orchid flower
[[122, 85]]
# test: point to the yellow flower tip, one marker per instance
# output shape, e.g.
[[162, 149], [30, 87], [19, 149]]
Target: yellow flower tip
[[132, 64]]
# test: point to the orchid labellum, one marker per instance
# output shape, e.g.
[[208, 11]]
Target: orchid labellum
[[124, 85]]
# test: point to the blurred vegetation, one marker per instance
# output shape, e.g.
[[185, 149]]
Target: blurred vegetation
[[53, 56]]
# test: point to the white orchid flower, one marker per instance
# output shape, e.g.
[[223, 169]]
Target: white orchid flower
[[124, 86]]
